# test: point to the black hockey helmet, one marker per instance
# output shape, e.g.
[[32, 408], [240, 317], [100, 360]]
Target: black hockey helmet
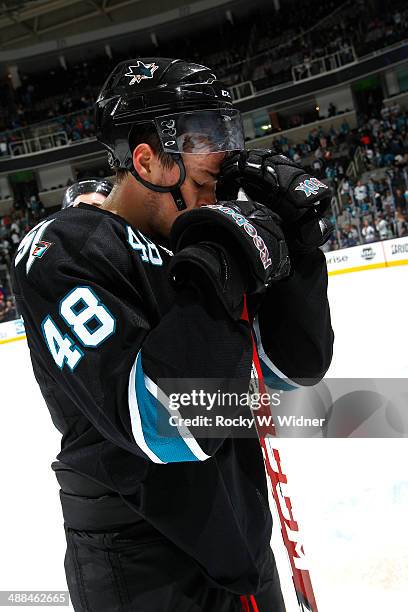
[[184, 102], [85, 186]]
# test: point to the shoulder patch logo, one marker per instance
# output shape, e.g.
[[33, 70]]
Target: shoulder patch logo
[[311, 186], [140, 72], [40, 248]]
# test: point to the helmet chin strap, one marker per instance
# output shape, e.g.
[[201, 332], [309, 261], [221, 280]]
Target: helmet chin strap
[[173, 189]]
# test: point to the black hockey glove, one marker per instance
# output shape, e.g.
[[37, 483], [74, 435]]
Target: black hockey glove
[[309, 233], [238, 246], [298, 198]]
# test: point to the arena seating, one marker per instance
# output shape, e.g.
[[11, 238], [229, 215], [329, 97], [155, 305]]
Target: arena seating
[[263, 54]]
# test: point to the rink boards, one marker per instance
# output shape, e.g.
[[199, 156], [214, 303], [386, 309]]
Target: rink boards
[[385, 254], [376, 255]]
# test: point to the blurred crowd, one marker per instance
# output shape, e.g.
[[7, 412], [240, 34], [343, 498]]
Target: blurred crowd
[[13, 227], [319, 146], [314, 30], [263, 54], [383, 138], [63, 130], [376, 208], [7, 304]]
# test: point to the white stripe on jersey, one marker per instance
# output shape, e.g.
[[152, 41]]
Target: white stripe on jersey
[[265, 359], [183, 430]]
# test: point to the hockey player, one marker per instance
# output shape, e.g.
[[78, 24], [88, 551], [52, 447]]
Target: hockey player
[[157, 287], [88, 191]]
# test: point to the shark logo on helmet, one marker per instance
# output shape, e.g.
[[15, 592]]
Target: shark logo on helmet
[[140, 72]]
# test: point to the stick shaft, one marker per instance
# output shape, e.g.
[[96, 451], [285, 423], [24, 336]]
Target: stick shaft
[[280, 493]]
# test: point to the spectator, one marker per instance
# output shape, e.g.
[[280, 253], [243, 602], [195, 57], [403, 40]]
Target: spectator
[[3, 309], [352, 235], [15, 239], [7, 309], [368, 232], [332, 110], [378, 202], [365, 206], [15, 227], [400, 201], [346, 187], [5, 252], [382, 227], [36, 207], [401, 224], [388, 203], [360, 192]]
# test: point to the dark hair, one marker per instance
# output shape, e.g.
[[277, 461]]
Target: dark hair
[[145, 134]]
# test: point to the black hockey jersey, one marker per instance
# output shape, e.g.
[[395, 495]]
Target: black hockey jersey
[[104, 326]]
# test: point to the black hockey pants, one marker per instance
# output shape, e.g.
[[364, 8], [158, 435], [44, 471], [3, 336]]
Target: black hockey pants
[[132, 567]]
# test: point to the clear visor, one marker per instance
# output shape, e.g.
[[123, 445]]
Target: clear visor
[[202, 131]]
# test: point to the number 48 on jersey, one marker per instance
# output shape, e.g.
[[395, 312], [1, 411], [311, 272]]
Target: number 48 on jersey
[[89, 321]]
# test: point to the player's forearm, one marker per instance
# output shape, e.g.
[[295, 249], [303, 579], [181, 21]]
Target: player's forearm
[[197, 352], [220, 254], [198, 339], [294, 320]]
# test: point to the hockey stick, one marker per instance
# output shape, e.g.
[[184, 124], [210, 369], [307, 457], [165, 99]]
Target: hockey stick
[[280, 493]]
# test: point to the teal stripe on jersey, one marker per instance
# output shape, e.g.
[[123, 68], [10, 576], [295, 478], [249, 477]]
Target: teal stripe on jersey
[[163, 440], [272, 379]]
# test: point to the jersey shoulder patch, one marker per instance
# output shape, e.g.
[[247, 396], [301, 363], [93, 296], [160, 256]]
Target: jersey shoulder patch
[[33, 246]]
